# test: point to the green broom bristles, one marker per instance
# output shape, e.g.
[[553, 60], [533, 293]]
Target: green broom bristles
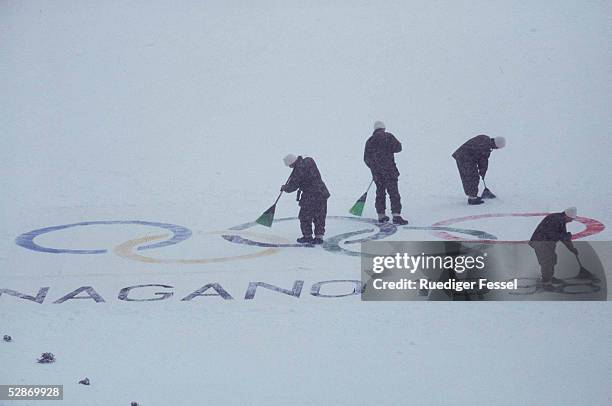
[[357, 208], [267, 218]]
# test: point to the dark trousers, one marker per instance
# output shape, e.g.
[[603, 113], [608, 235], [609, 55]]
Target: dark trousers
[[468, 170], [547, 257], [313, 212], [384, 186]]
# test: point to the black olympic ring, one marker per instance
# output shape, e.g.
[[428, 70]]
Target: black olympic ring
[[332, 244]]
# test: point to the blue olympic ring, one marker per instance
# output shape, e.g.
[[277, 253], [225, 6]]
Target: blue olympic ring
[[26, 240]]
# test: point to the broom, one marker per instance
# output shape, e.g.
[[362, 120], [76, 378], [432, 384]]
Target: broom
[[357, 208], [486, 193], [267, 218], [584, 273]]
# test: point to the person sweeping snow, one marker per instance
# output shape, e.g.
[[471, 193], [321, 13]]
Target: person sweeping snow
[[312, 196], [473, 160], [379, 156], [552, 228]]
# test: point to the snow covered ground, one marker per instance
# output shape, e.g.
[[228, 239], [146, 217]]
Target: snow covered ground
[[181, 113]]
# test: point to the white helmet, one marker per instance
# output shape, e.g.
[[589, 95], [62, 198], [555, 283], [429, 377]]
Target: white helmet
[[289, 159], [500, 142], [571, 212], [379, 125]]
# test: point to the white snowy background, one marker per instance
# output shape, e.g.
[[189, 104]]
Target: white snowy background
[[181, 112]]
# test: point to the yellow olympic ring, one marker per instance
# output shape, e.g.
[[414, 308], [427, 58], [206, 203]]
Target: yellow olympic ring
[[126, 249]]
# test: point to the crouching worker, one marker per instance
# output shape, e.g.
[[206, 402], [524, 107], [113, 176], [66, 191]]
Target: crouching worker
[[312, 196], [544, 241], [473, 161]]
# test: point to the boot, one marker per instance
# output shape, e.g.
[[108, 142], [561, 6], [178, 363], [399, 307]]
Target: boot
[[550, 283], [585, 274], [318, 239], [305, 240], [397, 219], [383, 218], [475, 200], [556, 281]]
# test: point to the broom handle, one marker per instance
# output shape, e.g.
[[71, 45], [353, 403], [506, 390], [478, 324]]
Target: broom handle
[[368, 189], [278, 198], [281, 192]]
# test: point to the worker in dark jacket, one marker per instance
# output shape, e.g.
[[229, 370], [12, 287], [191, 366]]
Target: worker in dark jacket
[[473, 160], [379, 157], [312, 196], [552, 228]]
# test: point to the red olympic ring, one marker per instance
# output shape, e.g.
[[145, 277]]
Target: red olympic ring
[[592, 226]]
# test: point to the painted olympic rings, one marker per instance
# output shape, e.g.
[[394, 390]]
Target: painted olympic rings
[[592, 226], [272, 243]]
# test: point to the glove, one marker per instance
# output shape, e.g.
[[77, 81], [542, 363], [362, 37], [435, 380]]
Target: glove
[[282, 189]]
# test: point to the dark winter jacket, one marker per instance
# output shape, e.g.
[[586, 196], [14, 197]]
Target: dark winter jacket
[[307, 179], [552, 228], [379, 154], [476, 151]]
